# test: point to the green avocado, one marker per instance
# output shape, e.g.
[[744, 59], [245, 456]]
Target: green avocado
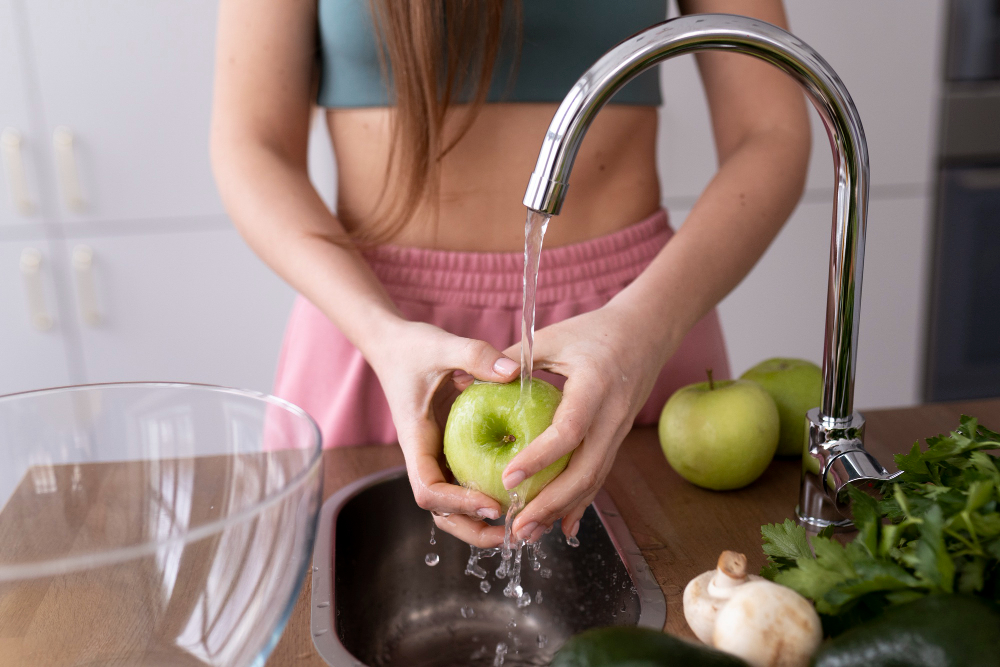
[[934, 631], [621, 646]]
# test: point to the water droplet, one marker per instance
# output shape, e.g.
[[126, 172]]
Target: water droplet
[[467, 611], [512, 623], [543, 641], [315, 569], [484, 586], [538, 597], [432, 559], [535, 565], [323, 605], [319, 632], [501, 652], [572, 541], [523, 600], [545, 573]]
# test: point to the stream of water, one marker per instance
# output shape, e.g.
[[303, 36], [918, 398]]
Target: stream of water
[[534, 233]]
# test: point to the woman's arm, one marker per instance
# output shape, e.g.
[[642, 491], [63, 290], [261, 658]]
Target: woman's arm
[[611, 357], [265, 66]]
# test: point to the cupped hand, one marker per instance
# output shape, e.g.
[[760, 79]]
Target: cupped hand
[[610, 370], [422, 368]]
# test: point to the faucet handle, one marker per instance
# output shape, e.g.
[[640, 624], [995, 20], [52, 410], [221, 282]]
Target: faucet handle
[[853, 466]]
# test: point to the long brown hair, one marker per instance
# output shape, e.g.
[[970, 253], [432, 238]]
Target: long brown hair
[[434, 54]]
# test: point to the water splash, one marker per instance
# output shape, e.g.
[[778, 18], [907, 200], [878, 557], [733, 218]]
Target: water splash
[[534, 233]]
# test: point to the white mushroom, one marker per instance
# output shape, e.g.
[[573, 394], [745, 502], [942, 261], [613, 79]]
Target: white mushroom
[[768, 625], [706, 594]]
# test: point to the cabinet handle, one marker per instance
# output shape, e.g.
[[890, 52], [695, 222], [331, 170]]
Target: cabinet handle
[[66, 169], [13, 165], [31, 271], [86, 290]]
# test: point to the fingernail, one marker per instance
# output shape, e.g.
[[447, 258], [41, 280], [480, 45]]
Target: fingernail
[[511, 480], [505, 366], [527, 530], [488, 513], [537, 534], [575, 529]]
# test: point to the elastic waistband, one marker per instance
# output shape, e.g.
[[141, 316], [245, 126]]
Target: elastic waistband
[[494, 279]]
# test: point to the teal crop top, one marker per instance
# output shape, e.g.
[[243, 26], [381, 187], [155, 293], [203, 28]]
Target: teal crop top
[[560, 40]]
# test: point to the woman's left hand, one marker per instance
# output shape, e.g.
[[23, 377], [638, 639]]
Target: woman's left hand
[[611, 360]]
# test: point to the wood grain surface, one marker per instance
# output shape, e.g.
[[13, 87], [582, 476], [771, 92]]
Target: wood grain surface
[[680, 528]]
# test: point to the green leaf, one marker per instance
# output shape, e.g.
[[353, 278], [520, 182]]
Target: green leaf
[[932, 561], [785, 540], [971, 575], [811, 580], [864, 509], [913, 465], [832, 556], [980, 492]]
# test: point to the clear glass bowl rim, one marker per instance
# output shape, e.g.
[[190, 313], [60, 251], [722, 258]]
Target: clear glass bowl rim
[[68, 564]]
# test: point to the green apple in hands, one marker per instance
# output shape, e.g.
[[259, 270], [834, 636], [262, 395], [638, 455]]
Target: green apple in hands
[[796, 385], [719, 435], [488, 426]]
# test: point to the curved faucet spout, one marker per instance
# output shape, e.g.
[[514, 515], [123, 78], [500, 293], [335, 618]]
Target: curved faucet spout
[[722, 32]]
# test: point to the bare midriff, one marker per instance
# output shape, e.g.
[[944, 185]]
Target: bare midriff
[[613, 184]]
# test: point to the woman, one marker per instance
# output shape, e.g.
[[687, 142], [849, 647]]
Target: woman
[[436, 110]]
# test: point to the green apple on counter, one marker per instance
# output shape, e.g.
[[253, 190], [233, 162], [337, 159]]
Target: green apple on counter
[[488, 425], [719, 435], [796, 385]]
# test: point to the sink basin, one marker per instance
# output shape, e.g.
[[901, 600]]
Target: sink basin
[[377, 602]]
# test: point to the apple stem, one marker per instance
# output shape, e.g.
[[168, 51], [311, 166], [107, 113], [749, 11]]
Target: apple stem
[[711, 385], [509, 438]]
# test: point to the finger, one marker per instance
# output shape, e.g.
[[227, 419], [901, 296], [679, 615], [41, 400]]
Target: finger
[[482, 360], [476, 533], [561, 495], [430, 488], [570, 423], [462, 380], [571, 522], [575, 486]]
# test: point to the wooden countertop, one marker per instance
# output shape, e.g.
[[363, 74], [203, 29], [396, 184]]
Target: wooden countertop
[[680, 528]]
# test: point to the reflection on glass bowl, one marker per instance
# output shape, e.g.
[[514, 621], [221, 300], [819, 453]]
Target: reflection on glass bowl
[[152, 524]]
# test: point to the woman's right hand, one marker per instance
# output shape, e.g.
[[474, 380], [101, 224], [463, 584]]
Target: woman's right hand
[[422, 369]]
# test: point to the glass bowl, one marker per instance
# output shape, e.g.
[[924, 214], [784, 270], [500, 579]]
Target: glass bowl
[[152, 524]]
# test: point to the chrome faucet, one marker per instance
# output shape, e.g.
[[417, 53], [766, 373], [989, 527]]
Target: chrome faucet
[[834, 456]]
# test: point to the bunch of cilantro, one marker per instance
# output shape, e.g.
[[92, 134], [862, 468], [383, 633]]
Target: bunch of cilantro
[[937, 530]]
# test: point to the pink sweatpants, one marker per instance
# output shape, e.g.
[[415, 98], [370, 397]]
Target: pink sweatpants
[[476, 295]]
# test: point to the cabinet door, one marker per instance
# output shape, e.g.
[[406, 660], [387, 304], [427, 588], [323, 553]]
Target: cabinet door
[[18, 146], [33, 343], [193, 306], [125, 91]]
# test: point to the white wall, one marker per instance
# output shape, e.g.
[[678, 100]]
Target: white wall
[[888, 53]]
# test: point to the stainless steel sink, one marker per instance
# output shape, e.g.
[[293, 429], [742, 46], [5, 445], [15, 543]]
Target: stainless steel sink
[[376, 602]]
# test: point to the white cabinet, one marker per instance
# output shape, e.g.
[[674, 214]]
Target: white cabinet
[[126, 250], [33, 339], [18, 146], [192, 306], [129, 84]]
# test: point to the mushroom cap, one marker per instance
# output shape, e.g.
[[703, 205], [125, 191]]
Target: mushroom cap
[[768, 625]]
